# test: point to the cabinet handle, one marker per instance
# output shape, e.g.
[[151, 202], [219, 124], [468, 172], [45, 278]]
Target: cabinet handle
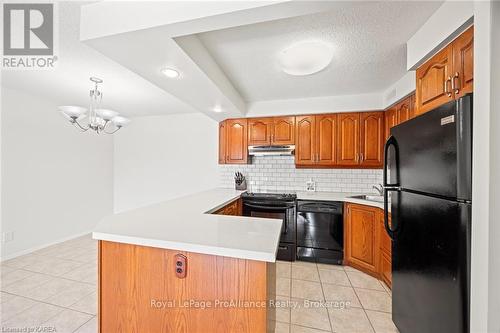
[[456, 87], [362, 157], [446, 91]]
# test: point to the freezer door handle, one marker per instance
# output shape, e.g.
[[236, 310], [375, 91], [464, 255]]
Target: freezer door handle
[[388, 186]]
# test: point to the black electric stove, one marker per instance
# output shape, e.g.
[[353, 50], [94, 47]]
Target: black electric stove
[[277, 205]]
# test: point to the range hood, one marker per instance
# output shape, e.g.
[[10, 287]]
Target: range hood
[[271, 150]]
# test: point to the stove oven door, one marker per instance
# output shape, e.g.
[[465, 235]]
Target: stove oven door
[[277, 210]]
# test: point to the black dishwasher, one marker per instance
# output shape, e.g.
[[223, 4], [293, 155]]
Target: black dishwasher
[[320, 231]]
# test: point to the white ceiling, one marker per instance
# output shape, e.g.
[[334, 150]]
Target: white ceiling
[[369, 41], [123, 90]]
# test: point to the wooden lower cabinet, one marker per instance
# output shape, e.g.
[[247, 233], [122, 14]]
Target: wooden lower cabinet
[[361, 237], [139, 291], [367, 245], [234, 208]]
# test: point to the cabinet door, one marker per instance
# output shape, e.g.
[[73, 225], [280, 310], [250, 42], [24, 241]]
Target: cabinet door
[[413, 107], [348, 139], [283, 132], [361, 241], [236, 148], [222, 142], [391, 120], [385, 251], [259, 131], [404, 110], [304, 143], [372, 139], [433, 87], [463, 63], [326, 139], [386, 269]]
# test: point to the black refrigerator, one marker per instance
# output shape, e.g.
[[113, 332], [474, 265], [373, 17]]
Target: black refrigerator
[[428, 178]]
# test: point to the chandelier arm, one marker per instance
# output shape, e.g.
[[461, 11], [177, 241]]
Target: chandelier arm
[[112, 132], [77, 125]]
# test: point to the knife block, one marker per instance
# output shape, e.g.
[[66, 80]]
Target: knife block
[[242, 186]]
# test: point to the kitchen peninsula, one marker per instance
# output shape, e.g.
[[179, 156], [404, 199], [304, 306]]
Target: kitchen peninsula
[[175, 267]]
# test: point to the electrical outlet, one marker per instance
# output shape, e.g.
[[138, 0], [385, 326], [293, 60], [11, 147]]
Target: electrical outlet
[[7, 236]]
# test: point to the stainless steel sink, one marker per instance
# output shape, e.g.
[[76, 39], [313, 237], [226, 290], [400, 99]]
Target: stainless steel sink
[[376, 198]]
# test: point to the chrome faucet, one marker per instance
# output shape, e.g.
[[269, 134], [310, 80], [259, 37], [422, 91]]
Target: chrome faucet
[[379, 188]]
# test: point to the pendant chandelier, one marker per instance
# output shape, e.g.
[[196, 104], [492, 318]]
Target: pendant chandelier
[[96, 119]]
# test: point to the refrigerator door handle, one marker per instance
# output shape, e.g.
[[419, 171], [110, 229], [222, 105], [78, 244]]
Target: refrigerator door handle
[[391, 141]]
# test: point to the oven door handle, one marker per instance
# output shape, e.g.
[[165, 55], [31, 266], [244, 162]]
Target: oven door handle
[[268, 207]]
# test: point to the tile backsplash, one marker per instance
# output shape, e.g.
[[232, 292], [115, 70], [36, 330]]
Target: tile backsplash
[[278, 173]]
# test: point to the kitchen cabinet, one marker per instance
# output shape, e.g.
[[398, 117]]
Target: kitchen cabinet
[[236, 141], [446, 76], [400, 112], [271, 131], [305, 130], [283, 131], [326, 139], [360, 139], [361, 237], [222, 142], [348, 139], [344, 140], [371, 139], [391, 120], [234, 208], [463, 63], [259, 131], [316, 140], [385, 251], [367, 246]]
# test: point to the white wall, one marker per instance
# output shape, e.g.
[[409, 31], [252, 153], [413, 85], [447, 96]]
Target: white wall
[[400, 89], [346, 103], [163, 157], [56, 181], [442, 27], [494, 230]]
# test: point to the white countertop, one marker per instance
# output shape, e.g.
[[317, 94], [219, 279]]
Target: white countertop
[[183, 224], [338, 196]]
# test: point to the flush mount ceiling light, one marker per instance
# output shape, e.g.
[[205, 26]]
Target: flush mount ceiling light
[[170, 73], [305, 58], [99, 120], [217, 109]]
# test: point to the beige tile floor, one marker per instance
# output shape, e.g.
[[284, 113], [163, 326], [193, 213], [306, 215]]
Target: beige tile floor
[[56, 287]]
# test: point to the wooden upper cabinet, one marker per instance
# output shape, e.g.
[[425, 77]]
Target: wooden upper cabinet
[[362, 247], [237, 144], [348, 139], [259, 131], [326, 139], [283, 131], [448, 75], [434, 81], [222, 142], [305, 130], [413, 107], [463, 63], [391, 120], [404, 110], [372, 138], [271, 131]]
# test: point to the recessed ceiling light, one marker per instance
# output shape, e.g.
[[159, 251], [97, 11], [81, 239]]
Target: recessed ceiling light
[[305, 58], [217, 109], [170, 73]]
